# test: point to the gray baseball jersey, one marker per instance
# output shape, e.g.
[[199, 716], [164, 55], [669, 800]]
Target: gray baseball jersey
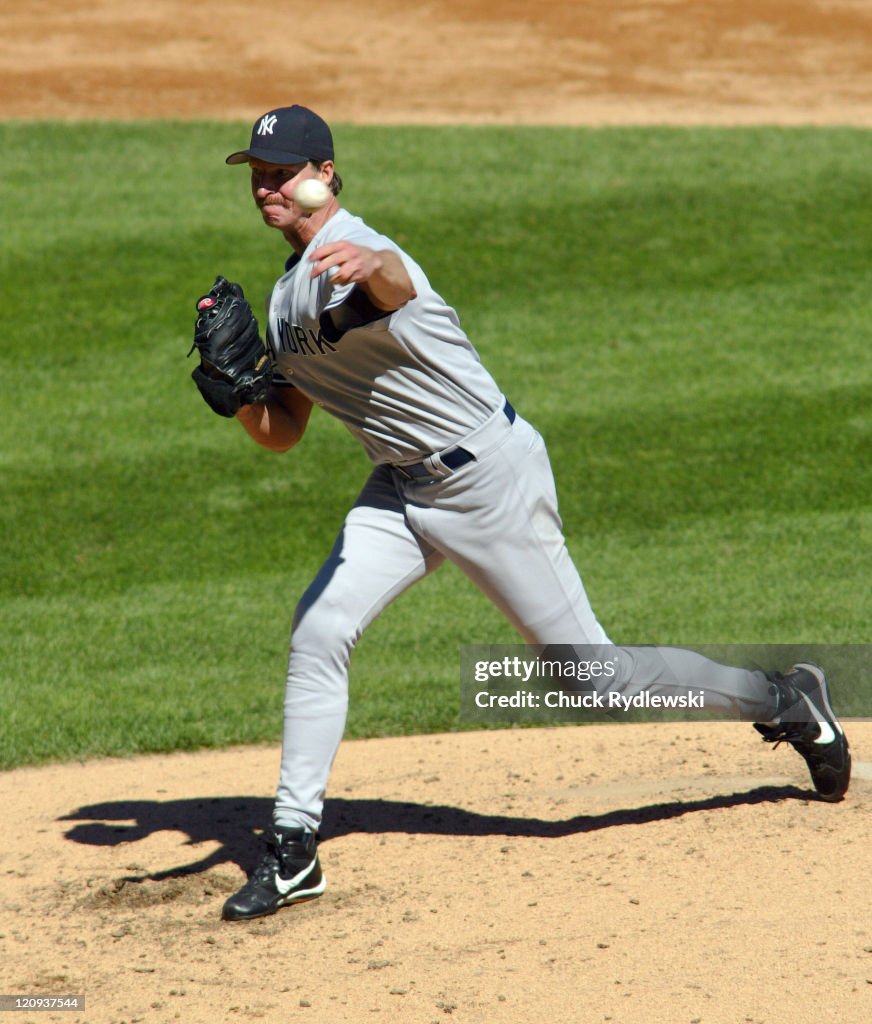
[[406, 383]]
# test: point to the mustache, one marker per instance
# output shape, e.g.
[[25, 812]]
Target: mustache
[[273, 199]]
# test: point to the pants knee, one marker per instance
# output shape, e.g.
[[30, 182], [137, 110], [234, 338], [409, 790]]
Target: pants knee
[[323, 629], [321, 644]]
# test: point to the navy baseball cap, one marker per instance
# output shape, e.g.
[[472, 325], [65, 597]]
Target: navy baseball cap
[[287, 135]]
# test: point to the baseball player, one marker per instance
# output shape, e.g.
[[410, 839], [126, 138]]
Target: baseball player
[[354, 326]]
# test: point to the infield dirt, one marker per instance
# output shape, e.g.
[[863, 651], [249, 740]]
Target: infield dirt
[[635, 874]]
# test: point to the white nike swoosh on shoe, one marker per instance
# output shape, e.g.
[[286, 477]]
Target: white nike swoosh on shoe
[[828, 734], [284, 885]]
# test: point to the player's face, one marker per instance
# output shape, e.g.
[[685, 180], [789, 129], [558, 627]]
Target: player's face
[[272, 186]]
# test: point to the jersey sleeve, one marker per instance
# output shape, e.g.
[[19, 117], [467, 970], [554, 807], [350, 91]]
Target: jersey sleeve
[[355, 310], [347, 306]]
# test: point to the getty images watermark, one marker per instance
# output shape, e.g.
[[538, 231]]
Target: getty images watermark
[[583, 685], [574, 683]]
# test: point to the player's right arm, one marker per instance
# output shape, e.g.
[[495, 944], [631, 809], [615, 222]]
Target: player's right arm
[[280, 421], [380, 273]]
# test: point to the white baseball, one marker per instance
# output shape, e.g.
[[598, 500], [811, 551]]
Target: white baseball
[[311, 194]]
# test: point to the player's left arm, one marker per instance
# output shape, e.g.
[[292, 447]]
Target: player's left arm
[[381, 274], [279, 421]]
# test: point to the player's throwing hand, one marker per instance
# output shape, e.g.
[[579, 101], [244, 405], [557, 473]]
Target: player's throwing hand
[[354, 264]]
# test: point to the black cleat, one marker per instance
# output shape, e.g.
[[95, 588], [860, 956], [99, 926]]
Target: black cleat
[[289, 872], [807, 722]]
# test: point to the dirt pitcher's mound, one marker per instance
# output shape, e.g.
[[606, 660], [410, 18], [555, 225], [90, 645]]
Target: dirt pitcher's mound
[[634, 873]]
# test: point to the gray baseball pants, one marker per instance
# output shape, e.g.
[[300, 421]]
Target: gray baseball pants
[[495, 518]]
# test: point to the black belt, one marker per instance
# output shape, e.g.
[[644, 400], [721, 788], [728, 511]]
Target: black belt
[[454, 459]]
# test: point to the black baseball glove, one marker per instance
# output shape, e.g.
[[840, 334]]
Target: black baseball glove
[[235, 368]]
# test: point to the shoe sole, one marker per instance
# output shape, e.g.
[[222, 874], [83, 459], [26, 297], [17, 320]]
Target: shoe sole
[[303, 895]]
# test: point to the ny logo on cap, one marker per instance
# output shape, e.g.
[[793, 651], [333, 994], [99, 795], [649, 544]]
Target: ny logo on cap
[[267, 123]]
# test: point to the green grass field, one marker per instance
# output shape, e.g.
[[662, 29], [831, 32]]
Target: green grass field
[[684, 314]]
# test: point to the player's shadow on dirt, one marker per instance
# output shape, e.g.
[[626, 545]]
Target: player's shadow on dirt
[[233, 822]]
